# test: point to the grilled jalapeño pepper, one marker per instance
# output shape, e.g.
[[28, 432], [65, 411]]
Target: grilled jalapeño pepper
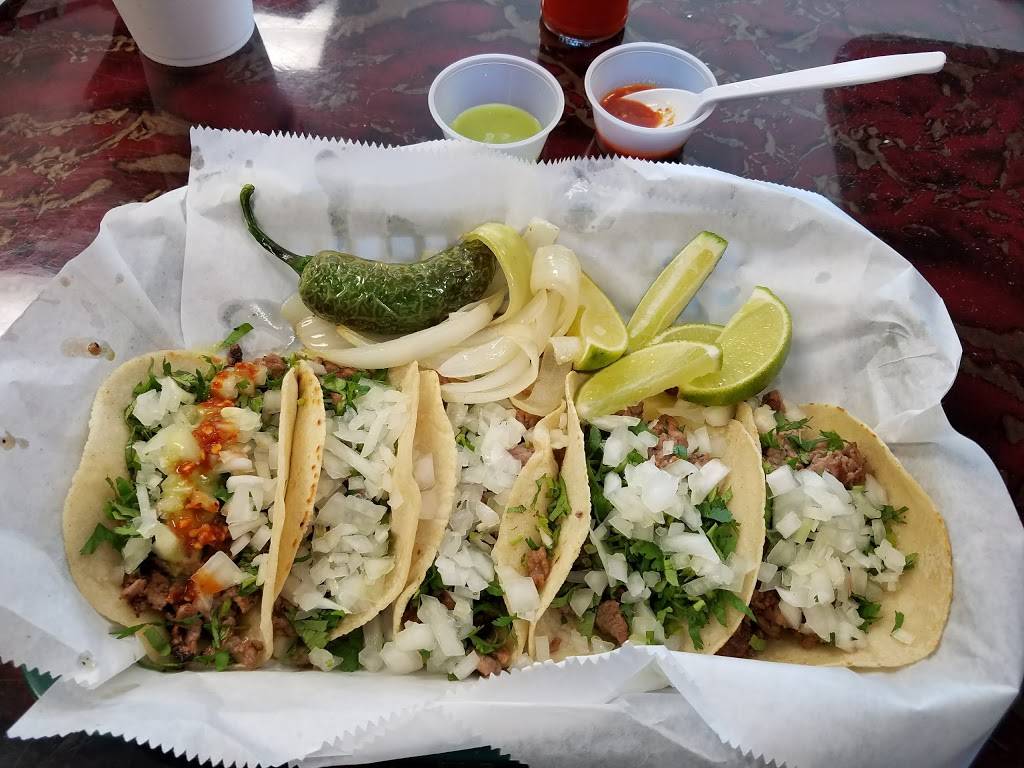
[[379, 297]]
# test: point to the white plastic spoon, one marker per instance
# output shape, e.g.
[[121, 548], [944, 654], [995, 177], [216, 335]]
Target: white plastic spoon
[[677, 106]]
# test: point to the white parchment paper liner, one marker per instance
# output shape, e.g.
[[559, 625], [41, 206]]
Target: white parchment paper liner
[[869, 334]]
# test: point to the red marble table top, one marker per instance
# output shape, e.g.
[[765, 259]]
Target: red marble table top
[[932, 165]]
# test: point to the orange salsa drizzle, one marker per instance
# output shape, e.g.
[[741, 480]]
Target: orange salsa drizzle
[[200, 523]]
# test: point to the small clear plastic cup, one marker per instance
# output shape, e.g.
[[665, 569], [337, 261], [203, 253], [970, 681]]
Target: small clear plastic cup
[[498, 78], [663, 65]]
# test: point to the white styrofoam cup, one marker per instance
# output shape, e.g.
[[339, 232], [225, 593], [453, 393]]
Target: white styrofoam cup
[[498, 78], [188, 33], [663, 65]]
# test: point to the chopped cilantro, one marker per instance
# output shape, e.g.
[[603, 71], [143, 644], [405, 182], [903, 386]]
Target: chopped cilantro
[[351, 388], [102, 535], [254, 404], [158, 638], [733, 600], [218, 632], [681, 451], [832, 440], [868, 611], [723, 537], [782, 424], [492, 624], [462, 438], [558, 507], [898, 623], [892, 516], [235, 336], [769, 439], [346, 651], [220, 489], [431, 585], [756, 643], [494, 588], [714, 507], [149, 383], [911, 561], [131, 459], [635, 457], [482, 646], [219, 660], [124, 632], [248, 585], [531, 543], [671, 577], [315, 627], [562, 599], [586, 623]]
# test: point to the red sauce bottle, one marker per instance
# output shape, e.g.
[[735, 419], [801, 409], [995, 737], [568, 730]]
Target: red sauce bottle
[[582, 22]]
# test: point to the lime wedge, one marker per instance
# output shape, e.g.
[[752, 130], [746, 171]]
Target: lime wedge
[[644, 374], [705, 333], [673, 288], [754, 346], [599, 327]]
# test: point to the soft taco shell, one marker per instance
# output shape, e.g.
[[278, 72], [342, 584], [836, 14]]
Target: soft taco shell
[[746, 480], [924, 593], [99, 576], [307, 455], [310, 435], [434, 437], [511, 547]]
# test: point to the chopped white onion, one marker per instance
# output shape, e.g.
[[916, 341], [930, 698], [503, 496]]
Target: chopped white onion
[[901, 635], [706, 479], [767, 571], [719, 415], [322, 659], [597, 581], [580, 600], [135, 550], [466, 665], [400, 662], [788, 525], [217, 574], [415, 637], [782, 480], [520, 592]]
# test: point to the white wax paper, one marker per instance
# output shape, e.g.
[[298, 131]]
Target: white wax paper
[[869, 333]]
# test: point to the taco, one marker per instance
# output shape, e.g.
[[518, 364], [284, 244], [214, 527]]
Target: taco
[[674, 538], [546, 521], [857, 567], [171, 524], [453, 611], [353, 507]]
